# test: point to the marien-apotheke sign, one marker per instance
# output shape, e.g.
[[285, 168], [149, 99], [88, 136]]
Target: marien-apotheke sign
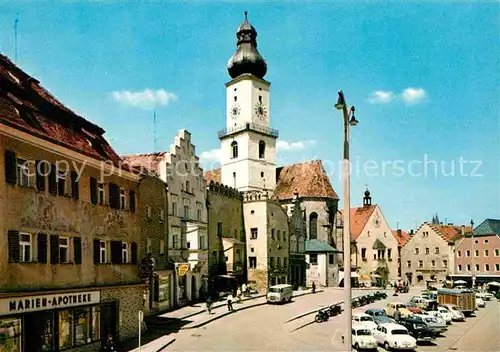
[[23, 304]]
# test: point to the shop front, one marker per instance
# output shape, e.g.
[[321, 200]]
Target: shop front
[[55, 322]]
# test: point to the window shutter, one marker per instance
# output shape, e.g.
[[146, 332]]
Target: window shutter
[[114, 196], [54, 249], [132, 200], [10, 167], [40, 175], [13, 246], [133, 248], [93, 190], [116, 252], [42, 248], [97, 250], [53, 180], [75, 189], [77, 247]]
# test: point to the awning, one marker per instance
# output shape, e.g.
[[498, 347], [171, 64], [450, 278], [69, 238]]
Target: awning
[[353, 275]]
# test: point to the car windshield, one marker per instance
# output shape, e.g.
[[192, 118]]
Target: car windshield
[[430, 320], [399, 332], [378, 313], [419, 326], [365, 319], [363, 332], [400, 306], [274, 289]]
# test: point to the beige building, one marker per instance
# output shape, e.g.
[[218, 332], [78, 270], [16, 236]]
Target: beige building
[[428, 257], [69, 273], [322, 269], [187, 214]]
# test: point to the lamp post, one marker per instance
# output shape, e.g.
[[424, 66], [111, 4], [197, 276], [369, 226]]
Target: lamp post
[[473, 260], [349, 120]]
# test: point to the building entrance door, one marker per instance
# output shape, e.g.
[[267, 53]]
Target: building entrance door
[[39, 335], [108, 321]]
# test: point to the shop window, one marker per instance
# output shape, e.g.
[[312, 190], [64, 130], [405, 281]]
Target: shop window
[[25, 247], [10, 335], [79, 326], [313, 259], [63, 250], [65, 329], [123, 199], [126, 259], [103, 255]]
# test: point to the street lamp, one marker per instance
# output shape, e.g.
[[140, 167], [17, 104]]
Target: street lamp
[[349, 120], [473, 271]]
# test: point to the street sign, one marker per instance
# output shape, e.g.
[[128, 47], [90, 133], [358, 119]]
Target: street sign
[[183, 269]]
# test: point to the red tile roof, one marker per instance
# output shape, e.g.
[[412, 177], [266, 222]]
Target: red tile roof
[[27, 106], [450, 233], [308, 179], [147, 161], [402, 237], [359, 218]]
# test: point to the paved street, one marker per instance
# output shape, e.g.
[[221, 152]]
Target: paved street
[[264, 328]]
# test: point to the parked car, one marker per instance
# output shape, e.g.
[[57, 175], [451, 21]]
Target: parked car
[[418, 330], [480, 302], [419, 302], [448, 317], [455, 311], [415, 310], [440, 317], [392, 307], [364, 319], [437, 326], [485, 295], [379, 316], [362, 338], [394, 336]]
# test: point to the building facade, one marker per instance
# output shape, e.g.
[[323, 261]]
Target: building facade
[[297, 243], [69, 273], [321, 266]]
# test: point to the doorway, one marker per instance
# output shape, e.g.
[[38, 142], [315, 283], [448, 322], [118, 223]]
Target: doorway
[[193, 288]]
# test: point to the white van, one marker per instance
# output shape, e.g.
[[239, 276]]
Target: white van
[[362, 337], [279, 293]]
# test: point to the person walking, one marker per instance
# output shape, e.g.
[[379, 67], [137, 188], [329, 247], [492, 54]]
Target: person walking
[[244, 290], [314, 287], [109, 346], [238, 295], [209, 305], [230, 303]]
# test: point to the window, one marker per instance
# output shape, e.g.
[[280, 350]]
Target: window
[[477, 267], [278, 262], [408, 264], [78, 327], [476, 253], [186, 212], [389, 252], [285, 262], [126, 253], [497, 267], [459, 254], [467, 253], [433, 263], [148, 245], [161, 215], [61, 183], [278, 236], [234, 150], [219, 229], [436, 250], [188, 186], [202, 242], [420, 263], [417, 251], [486, 267], [162, 247], [313, 226], [148, 212], [25, 247], [100, 193], [363, 253], [427, 251], [122, 199], [272, 234], [253, 233], [331, 259], [468, 267], [175, 241], [313, 259], [486, 253], [284, 235], [63, 250], [174, 208], [485, 241], [262, 150], [252, 261], [103, 252], [459, 267], [445, 263], [23, 173], [198, 215]]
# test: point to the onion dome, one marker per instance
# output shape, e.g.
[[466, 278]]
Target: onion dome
[[367, 193], [247, 58]]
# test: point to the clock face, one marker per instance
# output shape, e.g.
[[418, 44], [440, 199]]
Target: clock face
[[235, 111], [260, 110]]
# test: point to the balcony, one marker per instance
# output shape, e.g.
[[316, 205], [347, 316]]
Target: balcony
[[249, 126]]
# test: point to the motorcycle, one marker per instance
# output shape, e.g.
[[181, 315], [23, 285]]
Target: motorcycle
[[321, 316], [334, 309]]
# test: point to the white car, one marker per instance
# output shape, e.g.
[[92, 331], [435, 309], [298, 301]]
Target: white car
[[439, 317], [394, 336], [362, 338], [489, 296], [364, 319], [480, 302], [456, 312], [448, 317]]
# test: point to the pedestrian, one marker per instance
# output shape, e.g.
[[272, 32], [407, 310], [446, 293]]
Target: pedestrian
[[109, 346], [209, 305], [397, 315], [314, 287], [244, 289], [238, 295], [230, 302]]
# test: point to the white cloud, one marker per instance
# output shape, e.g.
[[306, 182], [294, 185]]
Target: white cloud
[[413, 95], [292, 146], [381, 97], [147, 99], [210, 156]]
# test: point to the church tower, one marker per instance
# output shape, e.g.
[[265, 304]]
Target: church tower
[[248, 142]]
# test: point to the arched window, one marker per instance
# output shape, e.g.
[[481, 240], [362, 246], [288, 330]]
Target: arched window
[[262, 150], [313, 226], [234, 150]]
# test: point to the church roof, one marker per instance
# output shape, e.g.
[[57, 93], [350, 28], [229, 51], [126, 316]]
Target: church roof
[[26, 106], [319, 246], [308, 179]]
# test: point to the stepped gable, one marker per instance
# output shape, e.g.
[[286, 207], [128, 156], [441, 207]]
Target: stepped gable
[[26, 106], [309, 179]]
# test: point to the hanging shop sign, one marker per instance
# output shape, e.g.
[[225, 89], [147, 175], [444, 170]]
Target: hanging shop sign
[[183, 269], [23, 304]]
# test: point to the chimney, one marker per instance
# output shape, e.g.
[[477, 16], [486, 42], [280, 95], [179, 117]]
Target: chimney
[[411, 232], [463, 230], [399, 233]]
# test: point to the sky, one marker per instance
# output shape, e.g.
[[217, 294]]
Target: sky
[[423, 76]]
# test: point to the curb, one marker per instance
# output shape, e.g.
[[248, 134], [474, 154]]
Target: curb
[[166, 345], [145, 348]]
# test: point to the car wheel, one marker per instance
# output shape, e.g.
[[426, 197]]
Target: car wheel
[[386, 346], [356, 346]]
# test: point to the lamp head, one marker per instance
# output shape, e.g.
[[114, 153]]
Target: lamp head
[[353, 121], [340, 101]]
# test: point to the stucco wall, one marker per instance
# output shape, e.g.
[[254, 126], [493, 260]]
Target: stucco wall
[[491, 244]]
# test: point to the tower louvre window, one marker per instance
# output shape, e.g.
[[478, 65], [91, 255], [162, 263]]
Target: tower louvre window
[[234, 150], [262, 149]]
